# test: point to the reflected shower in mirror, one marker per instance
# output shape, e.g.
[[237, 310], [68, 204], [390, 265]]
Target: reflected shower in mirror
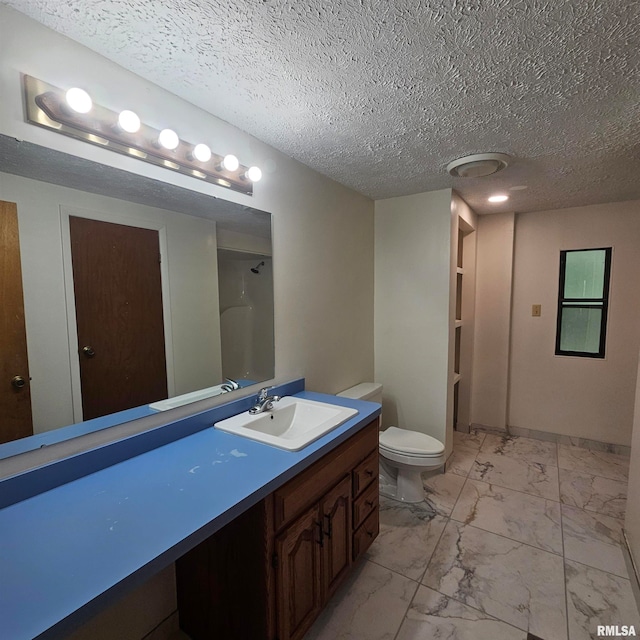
[[132, 295]]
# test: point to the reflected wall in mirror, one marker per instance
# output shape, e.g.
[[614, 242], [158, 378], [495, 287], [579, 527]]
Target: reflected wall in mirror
[[92, 335]]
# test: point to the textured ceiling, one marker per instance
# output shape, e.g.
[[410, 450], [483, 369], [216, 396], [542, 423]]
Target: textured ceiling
[[381, 94]]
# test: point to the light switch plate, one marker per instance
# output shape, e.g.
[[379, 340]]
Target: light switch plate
[[536, 310]]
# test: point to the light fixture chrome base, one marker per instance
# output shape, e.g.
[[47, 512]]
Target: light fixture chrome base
[[45, 107], [478, 165]]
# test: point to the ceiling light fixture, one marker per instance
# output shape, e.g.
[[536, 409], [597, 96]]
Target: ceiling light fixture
[[54, 109], [478, 165], [129, 121], [498, 198], [168, 139], [202, 152], [254, 174], [230, 163], [79, 100]]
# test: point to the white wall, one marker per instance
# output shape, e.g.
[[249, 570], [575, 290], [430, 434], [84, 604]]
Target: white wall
[[190, 295], [466, 220], [323, 241], [584, 397], [247, 330], [494, 266], [243, 242], [632, 517], [412, 311]]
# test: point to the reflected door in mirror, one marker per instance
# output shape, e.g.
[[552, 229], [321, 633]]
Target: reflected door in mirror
[[15, 395], [118, 297]]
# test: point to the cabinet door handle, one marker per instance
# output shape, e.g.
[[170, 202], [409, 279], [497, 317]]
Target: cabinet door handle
[[369, 472], [329, 530], [369, 503], [320, 534]]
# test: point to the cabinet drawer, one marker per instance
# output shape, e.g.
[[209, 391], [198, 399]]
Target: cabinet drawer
[[365, 472], [365, 504], [309, 486], [366, 534]]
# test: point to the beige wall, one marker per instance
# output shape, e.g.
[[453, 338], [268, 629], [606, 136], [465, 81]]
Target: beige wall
[[584, 397], [494, 265], [412, 302], [323, 239], [632, 518]]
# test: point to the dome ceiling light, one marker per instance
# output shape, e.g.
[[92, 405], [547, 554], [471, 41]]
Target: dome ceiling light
[[478, 165]]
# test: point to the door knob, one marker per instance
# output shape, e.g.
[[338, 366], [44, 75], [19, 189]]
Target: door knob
[[18, 382], [88, 351]]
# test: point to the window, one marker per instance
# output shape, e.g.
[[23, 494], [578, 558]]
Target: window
[[583, 300]]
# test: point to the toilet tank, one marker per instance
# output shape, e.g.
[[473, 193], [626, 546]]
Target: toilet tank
[[371, 391]]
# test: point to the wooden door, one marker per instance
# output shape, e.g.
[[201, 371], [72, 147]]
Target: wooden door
[[118, 296], [298, 585], [15, 390], [335, 509]]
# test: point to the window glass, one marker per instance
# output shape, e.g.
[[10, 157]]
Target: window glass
[[580, 330], [584, 274]]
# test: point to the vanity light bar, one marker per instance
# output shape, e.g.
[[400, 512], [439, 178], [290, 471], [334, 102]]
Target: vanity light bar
[[48, 106]]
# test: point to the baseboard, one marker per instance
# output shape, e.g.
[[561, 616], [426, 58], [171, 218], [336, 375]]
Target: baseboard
[[548, 436], [632, 569], [475, 426]]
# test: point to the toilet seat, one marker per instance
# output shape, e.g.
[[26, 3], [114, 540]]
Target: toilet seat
[[410, 443]]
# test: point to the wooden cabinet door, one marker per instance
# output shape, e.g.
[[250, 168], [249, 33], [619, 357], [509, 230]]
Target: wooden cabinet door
[[298, 584], [335, 509]]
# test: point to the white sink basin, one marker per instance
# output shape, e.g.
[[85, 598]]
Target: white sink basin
[[292, 424]]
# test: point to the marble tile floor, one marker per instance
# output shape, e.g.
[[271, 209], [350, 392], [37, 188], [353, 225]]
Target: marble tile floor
[[520, 539]]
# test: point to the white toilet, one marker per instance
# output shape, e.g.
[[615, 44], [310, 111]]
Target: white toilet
[[404, 454]]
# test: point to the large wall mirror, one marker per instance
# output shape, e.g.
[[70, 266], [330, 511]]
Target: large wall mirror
[[121, 295]]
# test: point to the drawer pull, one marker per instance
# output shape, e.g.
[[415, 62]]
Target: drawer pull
[[369, 472], [369, 503], [370, 534]]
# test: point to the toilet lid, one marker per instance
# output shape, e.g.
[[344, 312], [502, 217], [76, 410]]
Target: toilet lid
[[410, 442]]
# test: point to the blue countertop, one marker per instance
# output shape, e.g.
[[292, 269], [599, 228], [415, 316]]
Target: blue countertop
[[68, 552]]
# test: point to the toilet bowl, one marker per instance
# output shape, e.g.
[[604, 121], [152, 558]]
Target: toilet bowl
[[404, 454]]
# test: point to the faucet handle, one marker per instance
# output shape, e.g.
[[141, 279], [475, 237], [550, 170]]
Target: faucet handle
[[264, 394]]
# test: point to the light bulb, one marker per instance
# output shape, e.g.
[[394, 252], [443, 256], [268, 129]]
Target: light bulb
[[498, 198], [230, 163], [128, 121], [79, 100], [168, 139], [202, 152], [254, 174]]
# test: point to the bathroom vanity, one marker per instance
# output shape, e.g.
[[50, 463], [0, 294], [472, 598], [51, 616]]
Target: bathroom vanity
[[269, 573], [261, 535]]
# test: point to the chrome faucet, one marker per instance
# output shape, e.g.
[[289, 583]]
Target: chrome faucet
[[265, 401], [229, 385]]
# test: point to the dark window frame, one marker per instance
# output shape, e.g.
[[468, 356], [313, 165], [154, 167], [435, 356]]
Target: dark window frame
[[584, 303]]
